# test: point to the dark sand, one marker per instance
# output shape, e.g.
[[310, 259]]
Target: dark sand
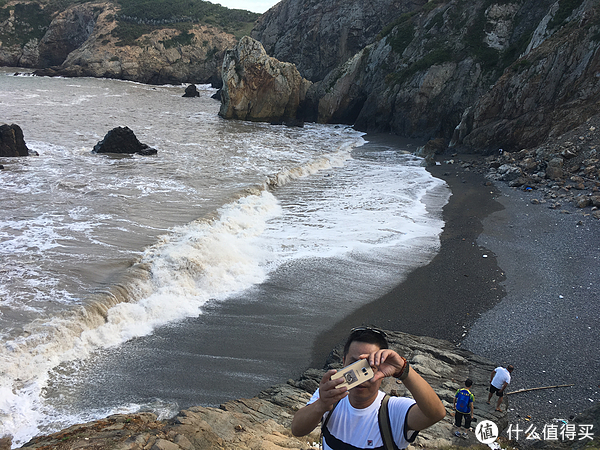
[[547, 325], [443, 298]]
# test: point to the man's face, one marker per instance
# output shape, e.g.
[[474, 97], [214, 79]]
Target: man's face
[[364, 394]]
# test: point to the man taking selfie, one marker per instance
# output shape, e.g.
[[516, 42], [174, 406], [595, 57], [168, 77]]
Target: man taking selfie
[[351, 417]]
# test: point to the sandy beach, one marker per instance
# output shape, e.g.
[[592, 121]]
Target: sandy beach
[[514, 281]]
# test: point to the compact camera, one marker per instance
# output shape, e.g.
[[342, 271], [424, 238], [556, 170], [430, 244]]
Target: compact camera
[[354, 374]]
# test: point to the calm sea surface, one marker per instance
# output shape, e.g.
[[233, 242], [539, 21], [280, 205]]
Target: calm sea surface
[[195, 276]]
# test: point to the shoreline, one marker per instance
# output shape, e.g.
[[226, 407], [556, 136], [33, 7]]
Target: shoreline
[[453, 279], [513, 282]]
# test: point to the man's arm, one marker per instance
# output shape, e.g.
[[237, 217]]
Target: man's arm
[[307, 418], [429, 408], [492, 375]]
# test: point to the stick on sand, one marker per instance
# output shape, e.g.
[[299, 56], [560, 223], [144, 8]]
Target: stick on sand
[[538, 388]]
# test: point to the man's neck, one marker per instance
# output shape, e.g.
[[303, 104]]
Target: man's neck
[[359, 403]]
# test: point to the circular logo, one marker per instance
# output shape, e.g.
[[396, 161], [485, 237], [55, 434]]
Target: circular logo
[[486, 432]]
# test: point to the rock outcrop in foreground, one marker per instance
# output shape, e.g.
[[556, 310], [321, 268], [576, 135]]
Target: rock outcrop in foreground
[[260, 88], [263, 422]]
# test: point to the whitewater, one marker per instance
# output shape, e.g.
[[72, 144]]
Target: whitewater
[[132, 283]]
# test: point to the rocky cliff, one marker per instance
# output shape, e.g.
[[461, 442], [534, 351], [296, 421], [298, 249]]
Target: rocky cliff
[[477, 75], [481, 75], [317, 36], [82, 40]]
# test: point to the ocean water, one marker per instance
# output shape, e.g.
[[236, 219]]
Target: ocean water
[[195, 276]]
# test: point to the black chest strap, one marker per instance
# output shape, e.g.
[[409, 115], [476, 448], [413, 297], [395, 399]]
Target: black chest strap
[[385, 429]]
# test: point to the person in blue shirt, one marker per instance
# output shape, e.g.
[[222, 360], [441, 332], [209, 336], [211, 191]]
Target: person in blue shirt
[[463, 406]]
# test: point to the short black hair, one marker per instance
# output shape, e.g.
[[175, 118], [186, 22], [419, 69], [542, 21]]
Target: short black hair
[[468, 382], [369, 335]]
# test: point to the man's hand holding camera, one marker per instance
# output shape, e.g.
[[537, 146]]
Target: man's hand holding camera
[[388, 364], [329, 392]]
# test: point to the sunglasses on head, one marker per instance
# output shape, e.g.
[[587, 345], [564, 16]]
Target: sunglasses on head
[[371, 329]]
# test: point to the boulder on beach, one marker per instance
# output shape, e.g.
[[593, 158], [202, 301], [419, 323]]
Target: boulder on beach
[[12, 142], [122, 140]]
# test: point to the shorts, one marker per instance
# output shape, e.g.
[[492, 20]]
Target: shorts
[[458, 418], [498, 392]]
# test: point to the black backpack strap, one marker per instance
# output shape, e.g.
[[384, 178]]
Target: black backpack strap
[[385, 426]]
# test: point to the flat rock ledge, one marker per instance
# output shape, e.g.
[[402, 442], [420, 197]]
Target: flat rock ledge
[[263, 422]]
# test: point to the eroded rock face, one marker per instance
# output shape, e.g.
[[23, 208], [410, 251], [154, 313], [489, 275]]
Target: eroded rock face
[[318, 36], [66, 33], [12, 142], [550, 90], [260, 88], [480, 75], [79, 42]]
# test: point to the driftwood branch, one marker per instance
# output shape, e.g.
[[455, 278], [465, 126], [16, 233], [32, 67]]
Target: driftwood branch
[[538, 388]]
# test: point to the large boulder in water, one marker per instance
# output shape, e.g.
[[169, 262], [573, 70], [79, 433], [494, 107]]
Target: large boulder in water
[[191, 91], [11, 141], [260, 88], [122, 140]]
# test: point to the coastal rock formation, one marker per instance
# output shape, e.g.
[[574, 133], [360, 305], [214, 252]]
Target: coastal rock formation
[[481, 75], [122, 140], [12, 142], [318, 36], [260, 88], [565, 170], [264, 421], [550, 89], [68, 31], [82, 41]]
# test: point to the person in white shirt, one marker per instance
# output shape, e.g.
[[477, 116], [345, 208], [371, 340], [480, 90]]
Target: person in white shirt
[[499, 379], [354, 413]]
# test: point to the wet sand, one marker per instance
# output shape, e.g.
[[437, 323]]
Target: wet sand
[[443, 298]]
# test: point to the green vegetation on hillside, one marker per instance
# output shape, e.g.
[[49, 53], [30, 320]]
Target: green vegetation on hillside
[[470, 26], [138, 17], [31, 22]]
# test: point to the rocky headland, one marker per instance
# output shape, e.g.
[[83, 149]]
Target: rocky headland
[[84, 40]]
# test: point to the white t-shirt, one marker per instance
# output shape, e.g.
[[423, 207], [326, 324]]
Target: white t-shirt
[[360, 427], [502, 376]]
